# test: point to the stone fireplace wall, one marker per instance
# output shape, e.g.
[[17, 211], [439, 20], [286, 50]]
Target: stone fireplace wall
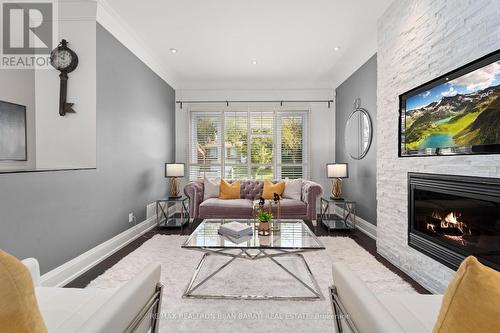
[[417, 42]]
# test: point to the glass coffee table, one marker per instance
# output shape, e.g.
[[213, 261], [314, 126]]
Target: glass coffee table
[[293, 239]]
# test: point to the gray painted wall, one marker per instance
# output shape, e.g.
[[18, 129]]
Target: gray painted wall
[[361, 184], [56, 216]]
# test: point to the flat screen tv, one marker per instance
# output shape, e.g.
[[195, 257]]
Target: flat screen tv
[[457, 113]]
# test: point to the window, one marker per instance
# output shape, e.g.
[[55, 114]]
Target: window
[[205, 149], [248, 144]]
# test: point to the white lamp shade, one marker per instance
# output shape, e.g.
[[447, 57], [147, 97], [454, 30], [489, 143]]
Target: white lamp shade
[[337, 170], [174, 170]]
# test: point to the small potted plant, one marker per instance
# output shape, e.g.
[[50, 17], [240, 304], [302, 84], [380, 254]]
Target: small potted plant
[[264, 218]]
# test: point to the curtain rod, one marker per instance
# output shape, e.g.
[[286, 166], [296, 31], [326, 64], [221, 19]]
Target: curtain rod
[[329, 101]]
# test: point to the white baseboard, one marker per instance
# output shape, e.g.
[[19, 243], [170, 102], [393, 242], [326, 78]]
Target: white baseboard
[[62, 275], [364, 226]]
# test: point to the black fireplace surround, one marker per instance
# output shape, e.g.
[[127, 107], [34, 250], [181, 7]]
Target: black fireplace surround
[[452, 217]]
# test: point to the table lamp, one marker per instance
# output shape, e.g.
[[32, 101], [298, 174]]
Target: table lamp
[[337, 171], [173, 171]]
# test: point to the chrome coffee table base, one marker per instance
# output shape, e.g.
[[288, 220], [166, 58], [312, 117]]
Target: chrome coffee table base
[[314, 289]]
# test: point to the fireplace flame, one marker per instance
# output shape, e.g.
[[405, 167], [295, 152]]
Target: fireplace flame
[[451, 218], [449, 221]]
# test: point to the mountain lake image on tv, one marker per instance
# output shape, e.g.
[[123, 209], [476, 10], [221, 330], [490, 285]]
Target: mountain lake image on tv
[[458, 113]]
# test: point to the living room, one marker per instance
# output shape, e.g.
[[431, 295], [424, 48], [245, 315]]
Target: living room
[[323, 166]]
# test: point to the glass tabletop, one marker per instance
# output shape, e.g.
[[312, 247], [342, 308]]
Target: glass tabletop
[[183, 198], [293, 234]]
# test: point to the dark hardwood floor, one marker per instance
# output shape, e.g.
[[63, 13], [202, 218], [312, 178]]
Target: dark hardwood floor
[[360, 238]]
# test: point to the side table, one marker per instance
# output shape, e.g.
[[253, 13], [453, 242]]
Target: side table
[[167, 215], [338, 214]]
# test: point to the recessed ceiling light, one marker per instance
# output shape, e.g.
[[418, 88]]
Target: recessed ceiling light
[[336, 48], [254, 62], [173, 50]]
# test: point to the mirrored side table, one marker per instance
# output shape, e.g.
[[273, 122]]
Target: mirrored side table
[[338, 214], [172, 212]]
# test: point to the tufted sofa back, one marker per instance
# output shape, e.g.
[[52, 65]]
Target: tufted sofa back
[[251, 188]]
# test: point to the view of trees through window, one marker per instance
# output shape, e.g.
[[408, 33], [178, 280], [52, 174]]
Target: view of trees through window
[[239, 145]]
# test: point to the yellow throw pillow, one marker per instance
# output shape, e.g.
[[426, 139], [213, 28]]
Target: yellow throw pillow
[[471, 302], [270, 189], [19, 312], [229, 191]]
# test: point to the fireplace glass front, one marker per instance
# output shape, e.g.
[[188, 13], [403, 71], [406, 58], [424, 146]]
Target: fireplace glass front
[[449, 222]]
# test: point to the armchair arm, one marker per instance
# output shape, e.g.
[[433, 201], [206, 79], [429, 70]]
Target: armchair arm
[[34, 268], [363, 308], [194, 191], [311, 191]]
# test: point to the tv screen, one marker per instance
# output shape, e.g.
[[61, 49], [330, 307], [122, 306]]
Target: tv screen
[[457, 113]]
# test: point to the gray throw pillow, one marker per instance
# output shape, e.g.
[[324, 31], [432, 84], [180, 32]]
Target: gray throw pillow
[[293, 189], [212, 188]]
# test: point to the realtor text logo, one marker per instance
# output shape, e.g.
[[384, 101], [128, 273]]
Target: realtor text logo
[[27, 33]]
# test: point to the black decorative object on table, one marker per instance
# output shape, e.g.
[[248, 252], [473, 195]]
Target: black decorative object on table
[[64, 60]]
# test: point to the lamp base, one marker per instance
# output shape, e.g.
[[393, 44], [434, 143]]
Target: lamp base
[[336, 188], [336, 199], [174, 188]]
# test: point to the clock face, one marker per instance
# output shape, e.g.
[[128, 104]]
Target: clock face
[[62, 59]]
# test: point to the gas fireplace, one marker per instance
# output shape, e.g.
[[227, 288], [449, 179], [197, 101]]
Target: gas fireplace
[[451, 217]]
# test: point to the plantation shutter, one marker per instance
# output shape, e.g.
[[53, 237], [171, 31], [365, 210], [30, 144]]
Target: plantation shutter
[[236, 145], [262, 145], [205, 154], [292, 148]]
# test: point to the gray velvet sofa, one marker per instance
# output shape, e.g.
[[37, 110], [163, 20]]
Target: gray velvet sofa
[[251, 190]]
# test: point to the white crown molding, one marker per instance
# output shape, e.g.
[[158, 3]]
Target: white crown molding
[[62, 275], [111, 20]]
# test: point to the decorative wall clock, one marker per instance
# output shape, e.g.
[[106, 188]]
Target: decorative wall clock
[[64, 60]]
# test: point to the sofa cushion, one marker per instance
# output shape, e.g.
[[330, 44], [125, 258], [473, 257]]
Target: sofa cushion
[[215, 207], [470, 303], [293, 189], [415, 313], [270, 189], [19, 311], [211, 188], [289, 207], [67, 309], [229, 190]]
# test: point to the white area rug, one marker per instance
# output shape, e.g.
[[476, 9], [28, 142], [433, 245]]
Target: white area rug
[[250, 277]]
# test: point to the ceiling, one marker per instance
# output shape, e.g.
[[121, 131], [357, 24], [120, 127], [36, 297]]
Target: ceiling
[[292, 41]]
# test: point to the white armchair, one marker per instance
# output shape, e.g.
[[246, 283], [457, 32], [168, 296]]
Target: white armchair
[[134, 307], [357, 309]]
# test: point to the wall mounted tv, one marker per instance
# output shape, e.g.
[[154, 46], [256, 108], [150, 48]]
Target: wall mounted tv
[[457, 113]]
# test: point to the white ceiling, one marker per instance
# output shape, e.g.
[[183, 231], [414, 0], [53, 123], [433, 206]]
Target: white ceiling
[[291, 40]]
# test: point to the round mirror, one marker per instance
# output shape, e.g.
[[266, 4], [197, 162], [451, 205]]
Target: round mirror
[[358, 132]]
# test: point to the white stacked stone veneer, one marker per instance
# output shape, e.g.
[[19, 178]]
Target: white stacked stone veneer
[[417, 42]]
